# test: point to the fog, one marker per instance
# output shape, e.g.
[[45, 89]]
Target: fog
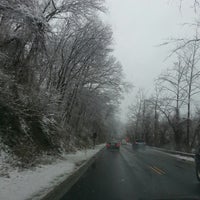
[[139, 27]]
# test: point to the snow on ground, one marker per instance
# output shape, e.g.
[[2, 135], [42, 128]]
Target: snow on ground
[[32, 184], [182, 157]]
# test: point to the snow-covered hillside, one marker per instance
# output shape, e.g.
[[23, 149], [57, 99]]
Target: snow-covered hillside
[[35, 183]]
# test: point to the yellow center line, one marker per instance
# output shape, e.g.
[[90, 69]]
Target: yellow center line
[[161, 171], [155, 170]]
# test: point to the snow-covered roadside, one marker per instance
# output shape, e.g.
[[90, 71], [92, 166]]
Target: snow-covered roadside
[[28, 184], [180, 157]]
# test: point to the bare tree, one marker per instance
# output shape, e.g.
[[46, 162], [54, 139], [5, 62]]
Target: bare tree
[[191, 58], [58, 78], [172, 86]]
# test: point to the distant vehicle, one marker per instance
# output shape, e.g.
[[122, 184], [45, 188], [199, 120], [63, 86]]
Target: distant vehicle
[[197, 162], [113, 144], [123, 142], [138, 143]]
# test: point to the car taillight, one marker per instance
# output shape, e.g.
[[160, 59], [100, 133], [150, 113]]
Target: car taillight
[[107, 145], [118, 145]]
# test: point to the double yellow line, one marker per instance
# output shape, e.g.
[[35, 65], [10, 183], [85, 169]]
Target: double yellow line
[[157, 170]]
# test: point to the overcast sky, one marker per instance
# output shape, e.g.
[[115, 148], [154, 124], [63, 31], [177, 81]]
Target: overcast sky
[[139, 26]]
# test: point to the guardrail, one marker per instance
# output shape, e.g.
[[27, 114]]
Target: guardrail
[[60, 190], [191, 155]]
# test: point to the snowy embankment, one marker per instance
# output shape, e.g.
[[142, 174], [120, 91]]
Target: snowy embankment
[[35, 183], [186, 158], [177, 154]]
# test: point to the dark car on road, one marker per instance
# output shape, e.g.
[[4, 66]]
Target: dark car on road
[[138, 143], [197, 162], [114, 144]]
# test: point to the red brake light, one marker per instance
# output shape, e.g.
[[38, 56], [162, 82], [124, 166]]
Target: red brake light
[[107, 145], [118, 144]]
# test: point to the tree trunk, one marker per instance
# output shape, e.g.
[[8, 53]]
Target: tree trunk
[[188, 126]]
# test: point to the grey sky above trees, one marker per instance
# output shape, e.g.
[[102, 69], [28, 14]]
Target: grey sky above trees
[[139, 26]]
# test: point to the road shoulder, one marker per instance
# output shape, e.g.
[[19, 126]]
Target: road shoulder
[[37, 183]]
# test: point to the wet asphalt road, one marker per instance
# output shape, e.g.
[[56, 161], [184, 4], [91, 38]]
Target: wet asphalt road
[[136, 174]]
